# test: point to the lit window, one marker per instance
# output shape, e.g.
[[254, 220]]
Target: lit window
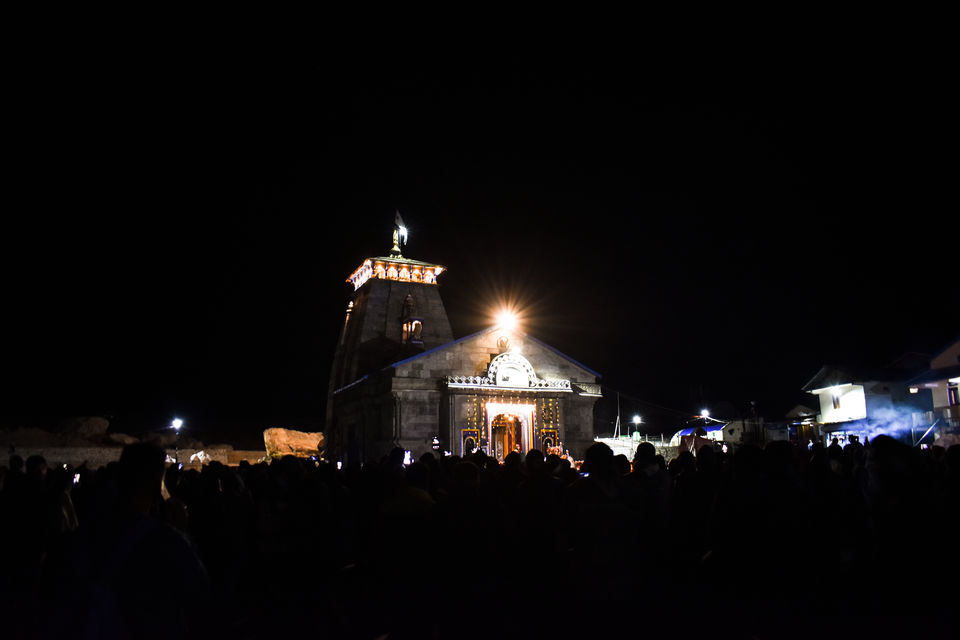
[[392, 273], [413, 332], [412, 326], [953, 394]]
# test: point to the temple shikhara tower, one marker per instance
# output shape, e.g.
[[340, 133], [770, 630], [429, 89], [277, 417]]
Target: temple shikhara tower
[[400, 379]]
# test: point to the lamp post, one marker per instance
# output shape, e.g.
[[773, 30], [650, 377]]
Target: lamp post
[[175, 425], [636, 425]]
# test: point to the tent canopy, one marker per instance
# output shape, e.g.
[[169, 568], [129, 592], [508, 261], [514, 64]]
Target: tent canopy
[[709, 428]]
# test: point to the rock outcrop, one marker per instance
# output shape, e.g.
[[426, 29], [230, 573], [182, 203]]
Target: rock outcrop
[[71, 432], [89, 428], [122, 438], [282, 442]]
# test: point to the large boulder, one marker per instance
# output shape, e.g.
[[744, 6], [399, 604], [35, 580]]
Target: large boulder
[[283, 442]]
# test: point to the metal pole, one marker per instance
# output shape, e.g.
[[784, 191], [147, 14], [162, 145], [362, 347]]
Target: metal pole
[[616, 430], [927, 431]]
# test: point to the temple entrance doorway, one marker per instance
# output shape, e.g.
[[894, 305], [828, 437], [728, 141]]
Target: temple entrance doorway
[[506, 435], [509, 428]]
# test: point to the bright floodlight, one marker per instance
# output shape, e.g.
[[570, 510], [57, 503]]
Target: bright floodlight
[[705, 413], [506, 320], [636, 419], [177, 423]]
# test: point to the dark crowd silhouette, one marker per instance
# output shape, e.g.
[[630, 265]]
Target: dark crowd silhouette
[[774, 542]]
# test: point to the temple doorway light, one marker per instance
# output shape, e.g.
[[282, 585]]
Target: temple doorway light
[[509, 428]]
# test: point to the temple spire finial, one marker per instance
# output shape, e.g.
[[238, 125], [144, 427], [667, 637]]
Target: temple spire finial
[[395, 266], [399, 235]]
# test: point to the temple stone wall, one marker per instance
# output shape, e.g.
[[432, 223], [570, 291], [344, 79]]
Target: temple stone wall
[[362, 415], [372, 337], [378, 311], [420, 415], [577, 421]]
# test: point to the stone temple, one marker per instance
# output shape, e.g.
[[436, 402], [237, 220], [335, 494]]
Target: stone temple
[[400, 379]]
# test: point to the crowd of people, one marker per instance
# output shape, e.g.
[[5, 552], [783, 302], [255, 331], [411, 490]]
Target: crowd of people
[[761, 542]]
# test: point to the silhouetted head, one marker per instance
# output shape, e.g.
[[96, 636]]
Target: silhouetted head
[[599, 459], [889, 456], [430, 461], [465, 478], [706, 459], [552, 463], [622, 464], [513, 460], [139, 474], [396, 456], [477, 457], [418, 475], [853, 454], [37, 466], [684, 462], [535, 460], [646, 454], [818, 454]]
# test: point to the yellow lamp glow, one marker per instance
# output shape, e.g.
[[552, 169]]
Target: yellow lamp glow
[[507, 320]]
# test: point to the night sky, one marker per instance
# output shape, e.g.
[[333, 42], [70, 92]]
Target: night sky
[[178, 233]]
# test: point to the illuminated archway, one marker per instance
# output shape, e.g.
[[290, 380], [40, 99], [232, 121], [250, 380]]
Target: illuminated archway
[[511, 435], [512, 370], [506, 435]]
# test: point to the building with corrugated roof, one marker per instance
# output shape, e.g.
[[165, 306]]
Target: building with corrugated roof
[[864, 402]]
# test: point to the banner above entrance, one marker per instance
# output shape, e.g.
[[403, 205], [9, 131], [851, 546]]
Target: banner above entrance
[[511, 371]]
